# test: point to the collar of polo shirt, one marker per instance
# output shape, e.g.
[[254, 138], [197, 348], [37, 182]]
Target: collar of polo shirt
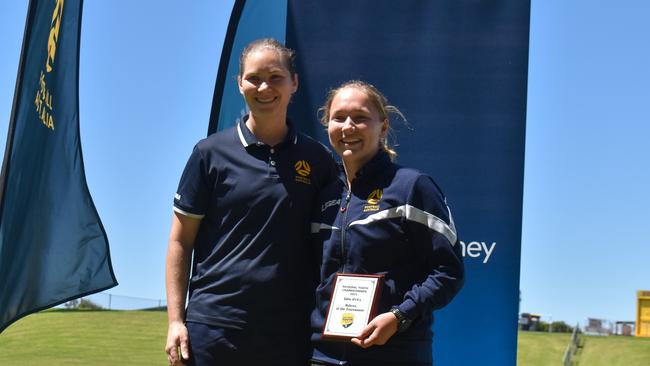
[[247, 138]]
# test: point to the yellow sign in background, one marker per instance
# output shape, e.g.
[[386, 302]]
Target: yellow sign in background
[[642, 314]]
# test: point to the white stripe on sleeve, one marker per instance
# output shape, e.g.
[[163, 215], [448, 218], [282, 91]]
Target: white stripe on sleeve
[[185, 213], [414, 214]]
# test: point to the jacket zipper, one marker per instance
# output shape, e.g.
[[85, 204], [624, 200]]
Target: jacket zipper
[[344, 210]]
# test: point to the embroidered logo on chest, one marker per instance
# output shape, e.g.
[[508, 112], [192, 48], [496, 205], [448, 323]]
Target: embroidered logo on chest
[[373, 200], [303, 171]]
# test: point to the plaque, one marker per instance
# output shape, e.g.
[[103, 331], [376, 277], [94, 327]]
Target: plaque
[[352, 305]]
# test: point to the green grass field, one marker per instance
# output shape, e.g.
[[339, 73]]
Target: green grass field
[[100, 338], [86, 338], [614, 351], [541, 349]]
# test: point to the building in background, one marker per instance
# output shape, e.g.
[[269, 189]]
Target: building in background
[[624, 328], [598, 327], [529, 322]]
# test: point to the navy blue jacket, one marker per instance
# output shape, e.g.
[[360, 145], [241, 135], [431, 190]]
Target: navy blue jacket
[[395, 222]]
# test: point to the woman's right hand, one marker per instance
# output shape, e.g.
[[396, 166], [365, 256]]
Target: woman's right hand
[[378, 331], [177, 338]]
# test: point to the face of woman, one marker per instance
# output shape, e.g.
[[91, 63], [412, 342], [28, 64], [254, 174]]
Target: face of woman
[[266, 83], [355, 127]]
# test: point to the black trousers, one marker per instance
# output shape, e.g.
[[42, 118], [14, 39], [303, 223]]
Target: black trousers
[[216, 346]]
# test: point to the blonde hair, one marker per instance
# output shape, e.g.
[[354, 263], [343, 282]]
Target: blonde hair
[[378, 100]]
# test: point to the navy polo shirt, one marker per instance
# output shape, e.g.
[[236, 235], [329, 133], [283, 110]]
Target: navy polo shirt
[[252, 261]]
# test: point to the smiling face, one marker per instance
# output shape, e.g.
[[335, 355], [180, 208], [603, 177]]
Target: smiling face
[[266, 84], [355, 128]]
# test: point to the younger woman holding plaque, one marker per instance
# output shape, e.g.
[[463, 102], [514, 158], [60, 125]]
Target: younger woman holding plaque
[[384, 219]]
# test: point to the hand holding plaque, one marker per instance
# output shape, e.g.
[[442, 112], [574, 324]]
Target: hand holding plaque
[[352, 305]]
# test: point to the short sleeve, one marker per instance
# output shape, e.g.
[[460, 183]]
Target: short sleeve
[[193, 194]]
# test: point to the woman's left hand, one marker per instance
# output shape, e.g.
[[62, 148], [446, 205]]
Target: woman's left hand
[[378, 331]]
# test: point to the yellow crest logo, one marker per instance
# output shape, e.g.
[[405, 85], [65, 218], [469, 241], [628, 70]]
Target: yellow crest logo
[[373, 200], [375, 196], [302, 168], [53, 38], [347, 319]]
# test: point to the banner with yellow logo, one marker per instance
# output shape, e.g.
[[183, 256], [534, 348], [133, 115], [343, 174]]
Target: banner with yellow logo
[[53, 246]]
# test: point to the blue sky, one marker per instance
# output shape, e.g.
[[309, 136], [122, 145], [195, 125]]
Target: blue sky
[[147, 76]]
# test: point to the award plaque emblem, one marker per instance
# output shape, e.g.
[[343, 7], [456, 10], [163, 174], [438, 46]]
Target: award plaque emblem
[[347, 319]]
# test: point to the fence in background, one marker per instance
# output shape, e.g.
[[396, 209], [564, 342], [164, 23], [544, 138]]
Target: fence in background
[[110, 301], [572, 347]]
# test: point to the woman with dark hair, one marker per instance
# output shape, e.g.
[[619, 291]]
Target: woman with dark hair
[[242, 211]]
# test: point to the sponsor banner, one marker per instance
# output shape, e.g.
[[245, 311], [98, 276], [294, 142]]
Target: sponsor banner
[[458, 72], [53, 247]]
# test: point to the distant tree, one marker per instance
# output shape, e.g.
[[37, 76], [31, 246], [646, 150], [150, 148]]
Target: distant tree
[[85, 304], [542, 326], [562, 327], [557, 327]]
